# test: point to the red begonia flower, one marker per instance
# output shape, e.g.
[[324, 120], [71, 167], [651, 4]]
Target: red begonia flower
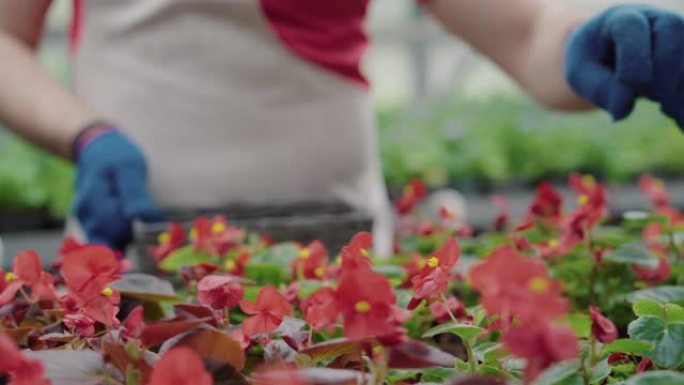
[[267, 312], [618, 358], [660, 273], [180, 366], [366, 301], [547, 204], [21, 370], [602, 328], [655, 191], [511, 284], [80, 324], [438, 309], [311, 262], [320, 309], [219, 292], [644, 365], [169, 241], [413, 192], [541, 345], [215, 236], [504, 213], [237, 266], [355, 254], [28, 271], [434, 278], [135, 322]]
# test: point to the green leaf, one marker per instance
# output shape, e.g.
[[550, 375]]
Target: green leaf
[[145, 287], [668, 339], [558, 373], [185, 256], [662, 377], [438, 375], [266, 273], [644, 307], [673, 313], [629, 346], [464, 331], [580, 324], [633, 253], [662, 294], [599, 372], [281, 254]]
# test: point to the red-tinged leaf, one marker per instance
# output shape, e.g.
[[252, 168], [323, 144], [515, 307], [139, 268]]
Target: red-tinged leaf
[[116, 354], [333, 348], [58, 337], [18, 334], [145, 287], [414, 354], [215, 345], [192, 311], [73, 367], [314, 376], [156, 333]]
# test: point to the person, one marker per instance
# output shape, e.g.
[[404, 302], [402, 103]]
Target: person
[[200, 103]]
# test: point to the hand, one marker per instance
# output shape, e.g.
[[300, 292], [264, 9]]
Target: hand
[[627, 52], [111, 189]]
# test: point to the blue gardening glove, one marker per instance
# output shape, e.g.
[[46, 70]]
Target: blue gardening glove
[[626, 52], [111, 189]]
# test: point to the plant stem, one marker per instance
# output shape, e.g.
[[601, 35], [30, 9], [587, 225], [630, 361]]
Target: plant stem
[[472, 360]]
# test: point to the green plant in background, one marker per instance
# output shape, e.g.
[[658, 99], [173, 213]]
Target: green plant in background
[[32, 180], [504, 139]]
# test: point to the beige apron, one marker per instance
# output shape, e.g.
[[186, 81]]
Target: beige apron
[[224, 112]]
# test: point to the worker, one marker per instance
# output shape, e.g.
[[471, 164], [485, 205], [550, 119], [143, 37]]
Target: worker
[[201, 103]]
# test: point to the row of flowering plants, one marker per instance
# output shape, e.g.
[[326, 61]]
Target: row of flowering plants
[[567, 295]]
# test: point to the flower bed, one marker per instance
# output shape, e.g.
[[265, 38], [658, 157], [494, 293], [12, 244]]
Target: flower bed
[[559, 297]]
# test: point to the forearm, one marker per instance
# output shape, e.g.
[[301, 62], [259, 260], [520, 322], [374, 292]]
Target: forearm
[[34, 105], [526, 38]]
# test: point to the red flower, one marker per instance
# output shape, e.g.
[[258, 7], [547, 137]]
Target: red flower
[[434, 279], [193, 273], [215, 236], [355, 254], [659, 274], [618, 358], [180, 366], [547, 204], [413, 192], [366, 301], [20, 369], [80, 324], [311, 262], [88, 272], [644, 365], [28, 271], [655, 191], [169, 241], [592, 208], [135, 322], [237, 266], [602, 328], [438, 309], [219, 292], [582, 184], [320, 309], [502, 217], [541, 345], [511, 284], [266, 314]]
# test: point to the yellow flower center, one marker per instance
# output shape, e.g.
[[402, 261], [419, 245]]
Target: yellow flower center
[[582, 200], [164, 238], [588, 180], [539, 284], [218, 227], [362, 307], [304, 253], [193, 234], [338, 260], [230, 265], [364, 252], [422, 262], [554, 243], [107, 292], [9, 277], [433, 262], [319, 272]]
